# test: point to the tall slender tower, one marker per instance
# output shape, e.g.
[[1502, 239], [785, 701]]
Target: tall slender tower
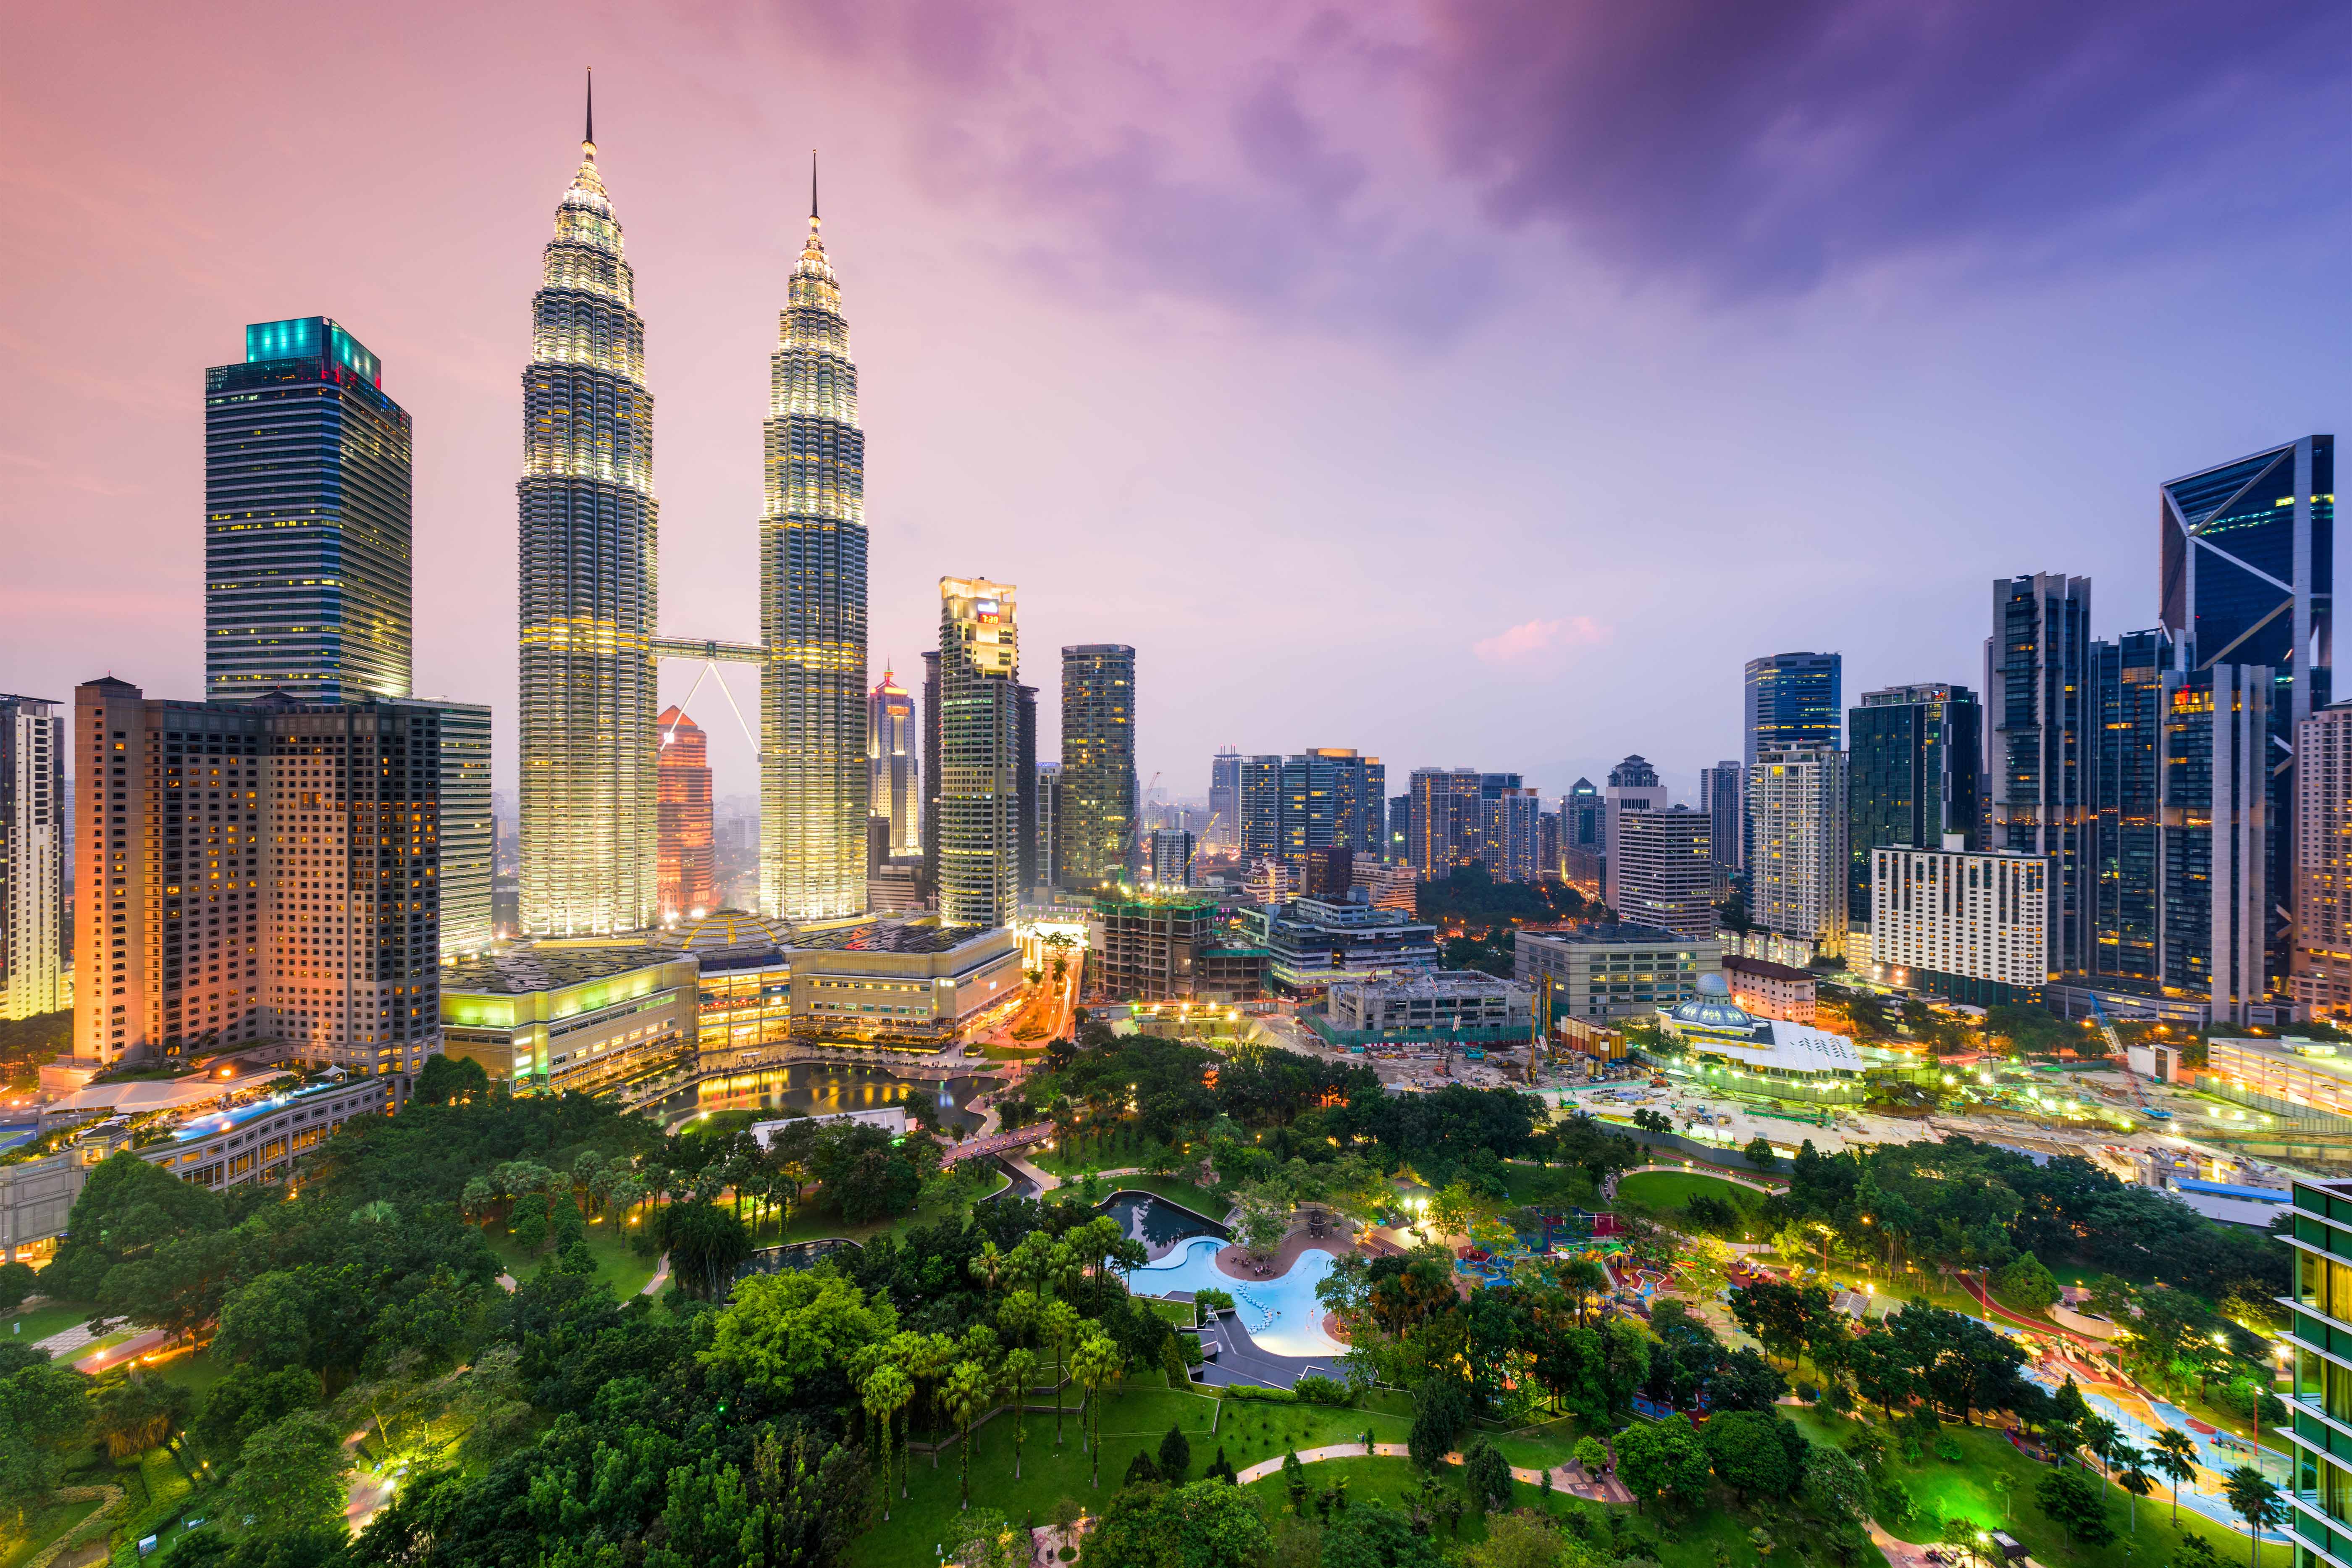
[[690, 866], [813, 765], [589, 526], [979, 801], [892, 759]]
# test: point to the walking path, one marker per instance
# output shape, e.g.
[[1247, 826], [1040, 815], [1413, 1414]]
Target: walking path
[[661, 1278], [1045, 1180], [1564, 1477], [998, 1143]]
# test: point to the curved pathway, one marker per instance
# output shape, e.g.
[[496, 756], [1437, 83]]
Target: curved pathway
[[1564, 1477]]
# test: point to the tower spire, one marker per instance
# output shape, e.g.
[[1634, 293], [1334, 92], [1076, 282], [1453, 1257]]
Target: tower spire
[[811, 185], [588, 140]]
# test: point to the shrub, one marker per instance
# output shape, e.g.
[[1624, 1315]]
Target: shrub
[[1207, 1303], [1313, 1389], [1948, 1450], [1252, 1391]]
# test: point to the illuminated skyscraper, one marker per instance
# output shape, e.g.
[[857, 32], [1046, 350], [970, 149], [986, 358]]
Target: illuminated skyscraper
[[687, 850], [590, 588], [306, 520], [812, 746], [1098, 824], [892, 764], [979, 803], [33, 832]]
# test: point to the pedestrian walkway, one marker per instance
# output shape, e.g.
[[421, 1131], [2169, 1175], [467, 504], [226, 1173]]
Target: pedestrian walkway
[[661, 1278], [1564, 1477], [998, 1143]]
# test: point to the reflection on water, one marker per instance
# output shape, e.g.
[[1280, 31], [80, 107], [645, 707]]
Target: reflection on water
[[1150, 1220], [820, 1088]]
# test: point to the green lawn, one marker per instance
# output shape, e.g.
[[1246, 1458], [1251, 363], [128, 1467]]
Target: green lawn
[[623, 1272], [46, 1525], [817, 1223], [1940, 1490], [196, 1371], [45, 1320], [1666, 1190], [1119, 1150]]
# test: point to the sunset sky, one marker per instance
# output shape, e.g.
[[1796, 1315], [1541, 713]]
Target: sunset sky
[[1473, 383]]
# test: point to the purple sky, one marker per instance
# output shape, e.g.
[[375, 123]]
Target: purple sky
[[1473, 383]]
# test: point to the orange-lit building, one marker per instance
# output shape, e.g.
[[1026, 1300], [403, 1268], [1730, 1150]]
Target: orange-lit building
[[690, 867], [1770, 990]]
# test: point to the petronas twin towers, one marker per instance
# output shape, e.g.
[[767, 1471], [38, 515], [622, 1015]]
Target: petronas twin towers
[[590, 577]]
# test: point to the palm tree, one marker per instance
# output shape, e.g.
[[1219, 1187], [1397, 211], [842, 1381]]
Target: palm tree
[[1096, 1363], [925, 1360], [1060, 1324], [2255, 1501], [1019, 1366], [989, 1266], [2131, 1474], [885, 1393], [966, 1393], [2101, 1435], [2174, 1455]]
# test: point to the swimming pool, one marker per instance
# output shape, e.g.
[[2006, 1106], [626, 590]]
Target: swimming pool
[[1281, 1314]]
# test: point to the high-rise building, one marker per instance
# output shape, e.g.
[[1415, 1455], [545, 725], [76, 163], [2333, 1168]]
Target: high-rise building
[[2039, 750], [2247, 574], [1719, 790], [930, 760], [468, 836], [2323, 869], [1331, 798], [1508, 832], [1400, 837], [1024, 764], [979, 794], [690, 865], [1968, 927], [590, 529], [813, 747], [1171, 858], [1798, 864], [1911, 776], [1792, 700], [2212, 844], [1665, 871], [1634, 785], [1580, 817], [1550, 859], [1099, 823], [1048, 852], [307, 568], [2132, 679], [893, 768], [257, 870], [33, 831], [1224, 799], [1260, 787]]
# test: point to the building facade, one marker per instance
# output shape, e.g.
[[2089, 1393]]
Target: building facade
[[1962, 924], [34, 829], [2039, 749], [261, 1139], [1770, 990], [1634, 785], [893, 765], [1719, 793], [1608, 972], [590, 583], [980, 792], [1330, 797], [1443, 1005], [1664, 872], [1313, 942], [2323, 862], [1224, 800], [1171, 858], [1792, 700], [469, 829], [689, 849], [1047, 853], [306, 556], [1912, 775], [2131, 678], [257, 870], [1098, 796], [563, 1020], [2318, 1491], [1149, 948], [1796, 866]]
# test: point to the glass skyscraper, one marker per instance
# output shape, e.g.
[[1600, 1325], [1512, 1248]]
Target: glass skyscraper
[[893, 765], [589, 532], [979, 803], [2131, 682], [814, 783], [1098, 804], [2040, 751], [1911, 776], [306, 520], [1792, 700]]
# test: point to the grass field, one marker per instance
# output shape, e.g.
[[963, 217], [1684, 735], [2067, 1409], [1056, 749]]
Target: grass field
[[1666, 1190], [194, 1371], [1966, 1491], [44, 1321], [618, 1263], [45, 1525]]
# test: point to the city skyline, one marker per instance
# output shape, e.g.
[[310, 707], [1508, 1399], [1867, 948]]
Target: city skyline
[[1928, 385]]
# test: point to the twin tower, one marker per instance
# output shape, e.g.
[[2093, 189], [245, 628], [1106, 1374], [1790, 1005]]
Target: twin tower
[[589, 570]]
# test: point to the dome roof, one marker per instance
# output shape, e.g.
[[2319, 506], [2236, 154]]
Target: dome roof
[[727, 931], [1714, 985], [1713, 1008]]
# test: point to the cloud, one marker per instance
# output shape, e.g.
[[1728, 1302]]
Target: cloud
[[1530, 638], [1763, 147]]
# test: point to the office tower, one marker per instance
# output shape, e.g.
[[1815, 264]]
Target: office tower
[[2247, 574], [2132, 679], [468, 835], [257, 870], [590, 529], [1719, 796], [877, 844], [688, 854], [1665, 871], [894, 780], [930, 762], [1260, 789], [1171, 858], [1507, 846], [1098, 822], [1047, 853], [1448, 819], [1224, 799], [1792, 700], [813, 748], [2039, 750], [1970, 928], [980, 795], [2323, 862], [1400, 830], [1550, 859], [1797, 865], [1634, 785], [2213, 837], [35, 827], [1332, 797], [1024, 762], [306, 520], [1911, 775], [1580, 817]]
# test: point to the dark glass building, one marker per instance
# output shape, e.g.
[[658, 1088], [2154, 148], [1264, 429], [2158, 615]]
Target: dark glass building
[[2039, 751], [307, 561], [2129, 687], [1793, 700], [1913, 771]]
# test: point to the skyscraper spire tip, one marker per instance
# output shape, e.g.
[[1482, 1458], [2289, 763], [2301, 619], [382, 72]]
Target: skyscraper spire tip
[[590, 138], [811, 184]]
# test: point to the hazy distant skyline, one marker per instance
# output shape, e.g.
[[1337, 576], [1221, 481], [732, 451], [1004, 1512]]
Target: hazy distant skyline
[[1473, 384]]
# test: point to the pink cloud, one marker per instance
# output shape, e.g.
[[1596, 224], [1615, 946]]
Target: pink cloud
[[1539, 637]]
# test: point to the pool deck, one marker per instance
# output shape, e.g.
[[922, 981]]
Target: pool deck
[[1230, 1265], [1239, 1360]]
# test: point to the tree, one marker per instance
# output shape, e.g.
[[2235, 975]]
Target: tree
[[43, 1408], [1058, 1321], [1294, 1481], [1175, 1456], [2255, 1501], [1207, 1524], [967, 1394], [2173, 1453], [2024, 1282], [1755, 1454], [2077, 1504], [885, 1393], [1758, 1153], [17, 1281], [1662, 1461], [1590, 1457], [2132, 1474], [1020, 1371], [984, 1538], [447, 1079], [705, 1245], [267, 1322], [794, 1333], [1095, 1363], [1441, 1409], [290, 1478], [1487, 1475]]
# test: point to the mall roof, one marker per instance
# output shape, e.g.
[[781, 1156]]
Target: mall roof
[[525, 970]]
